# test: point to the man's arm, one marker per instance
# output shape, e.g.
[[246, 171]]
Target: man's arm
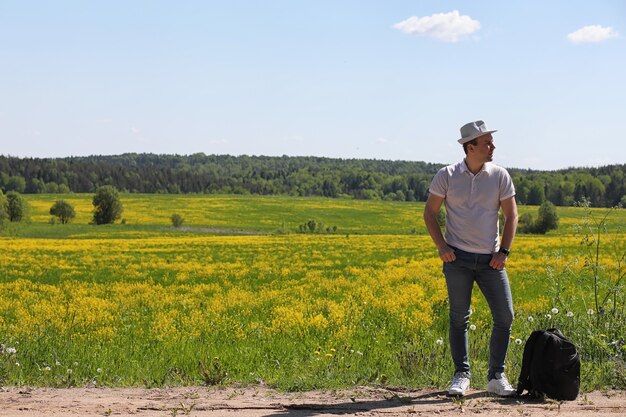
[[509, 209], [433, 204]]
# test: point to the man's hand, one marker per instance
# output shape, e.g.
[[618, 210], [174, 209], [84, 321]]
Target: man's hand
[[498, 260], [446, 254]]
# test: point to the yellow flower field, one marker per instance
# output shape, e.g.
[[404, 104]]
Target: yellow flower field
[[280, 283], [123, 306]]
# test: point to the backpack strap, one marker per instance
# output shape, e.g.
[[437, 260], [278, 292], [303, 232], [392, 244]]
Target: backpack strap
[[524, 377], [538, 366]]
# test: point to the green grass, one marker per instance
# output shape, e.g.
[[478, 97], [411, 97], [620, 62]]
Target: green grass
[[352, 279], [237, 213], [266, 214]]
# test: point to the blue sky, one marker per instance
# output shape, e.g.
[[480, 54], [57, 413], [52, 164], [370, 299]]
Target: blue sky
[[348, 79]]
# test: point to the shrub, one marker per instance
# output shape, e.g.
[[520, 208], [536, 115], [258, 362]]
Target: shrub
[[177, 220], [526, 223], [63, 211], [314, 226], [548, 218]]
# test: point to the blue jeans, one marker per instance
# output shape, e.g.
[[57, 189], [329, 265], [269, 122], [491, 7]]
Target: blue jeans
[[494, 284]]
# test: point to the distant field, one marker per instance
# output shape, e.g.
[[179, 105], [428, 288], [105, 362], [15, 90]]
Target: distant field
[[269, 214], [143, 303], [251, 213]]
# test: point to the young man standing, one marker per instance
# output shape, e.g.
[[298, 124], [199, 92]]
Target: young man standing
[[473, 191]]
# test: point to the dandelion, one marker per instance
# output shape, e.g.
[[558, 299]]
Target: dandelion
[[99, 370], [590, 312], [75, 363], [69, 371], [439, 341], [358, 352], [472, 327], [549, 316], [518, 341], [317, 352], [58, 363], [17, 364], [47, 369], [570, 314], [329, 355], [555, 310], [530, 319], [10, 350]]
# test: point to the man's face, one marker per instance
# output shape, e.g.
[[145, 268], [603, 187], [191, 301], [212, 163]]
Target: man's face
[[483, 150]]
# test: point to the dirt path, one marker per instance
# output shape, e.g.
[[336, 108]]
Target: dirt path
[[261, 401]]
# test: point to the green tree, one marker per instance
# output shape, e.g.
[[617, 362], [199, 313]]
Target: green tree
[[107, 205], [16, 206], [536, 194], [548, 219], [63, 210], [35, 186], [16, 183], [522, 186], [52, 188], [567, 194], [4, 209], [595, 192]]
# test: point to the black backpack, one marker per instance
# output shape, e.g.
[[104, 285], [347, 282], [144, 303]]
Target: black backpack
[[550, 366]]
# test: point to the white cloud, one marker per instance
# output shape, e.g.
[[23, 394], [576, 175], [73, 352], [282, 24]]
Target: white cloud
[[593, 33], [135, 131], [382, 140], [447, 27]]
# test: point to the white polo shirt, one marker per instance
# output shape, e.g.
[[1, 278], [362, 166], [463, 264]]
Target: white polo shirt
[[472, 203]]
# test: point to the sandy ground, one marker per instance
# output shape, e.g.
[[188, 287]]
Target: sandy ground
[[261, 401]]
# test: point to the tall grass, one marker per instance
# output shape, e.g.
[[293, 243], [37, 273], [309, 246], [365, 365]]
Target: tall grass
[[590, 292]]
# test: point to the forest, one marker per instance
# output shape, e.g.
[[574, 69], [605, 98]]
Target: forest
[[288, 175]]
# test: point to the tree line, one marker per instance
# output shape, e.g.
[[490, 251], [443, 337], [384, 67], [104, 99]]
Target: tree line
[[296, 176]]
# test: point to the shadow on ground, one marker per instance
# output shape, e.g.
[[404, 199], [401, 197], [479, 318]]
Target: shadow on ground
[[432, 401]]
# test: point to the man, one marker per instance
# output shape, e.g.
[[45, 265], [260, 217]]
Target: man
[[473, 191]]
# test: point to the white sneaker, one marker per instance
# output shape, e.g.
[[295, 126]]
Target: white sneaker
[[460, 384], [501, 386]]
